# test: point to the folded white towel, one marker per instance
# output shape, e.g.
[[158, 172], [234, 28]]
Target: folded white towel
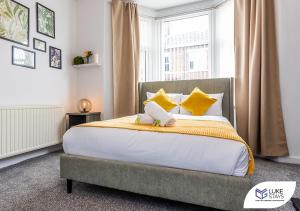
[[158, 113], [144, 119]]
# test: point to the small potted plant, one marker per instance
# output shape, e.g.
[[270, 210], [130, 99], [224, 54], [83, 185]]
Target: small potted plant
[[87, 55], [78, 60]]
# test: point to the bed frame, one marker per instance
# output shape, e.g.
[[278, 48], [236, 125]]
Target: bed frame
[[200, 188]]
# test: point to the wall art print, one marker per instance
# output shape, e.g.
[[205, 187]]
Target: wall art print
[[39, 45], [22, 57], [45, 20], [14, 22], [55, 57]]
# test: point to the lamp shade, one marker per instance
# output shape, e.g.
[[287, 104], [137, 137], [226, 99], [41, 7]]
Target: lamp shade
[[84, 106]]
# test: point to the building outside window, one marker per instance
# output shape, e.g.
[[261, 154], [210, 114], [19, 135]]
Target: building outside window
[[186, 40], [166, 63]]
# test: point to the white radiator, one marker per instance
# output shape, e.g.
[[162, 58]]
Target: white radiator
[[28, 128]]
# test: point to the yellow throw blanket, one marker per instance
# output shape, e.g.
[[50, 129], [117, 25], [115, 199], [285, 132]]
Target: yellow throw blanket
[[210, 128]]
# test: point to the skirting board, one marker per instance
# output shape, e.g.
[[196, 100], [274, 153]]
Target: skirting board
[[29, 155], [289, 159]]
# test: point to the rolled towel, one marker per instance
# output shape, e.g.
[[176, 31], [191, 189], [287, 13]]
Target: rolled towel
[[144, 119], [158, 113]]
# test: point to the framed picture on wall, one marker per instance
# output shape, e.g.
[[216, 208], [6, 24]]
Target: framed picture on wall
[[55, 57], [39, 45], [45, 20], [14, 22], [22, 57]]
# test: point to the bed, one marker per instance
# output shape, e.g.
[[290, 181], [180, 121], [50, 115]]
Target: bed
[[101, 161]]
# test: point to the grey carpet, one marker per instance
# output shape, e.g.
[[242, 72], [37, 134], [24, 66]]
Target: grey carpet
[[36, 185]]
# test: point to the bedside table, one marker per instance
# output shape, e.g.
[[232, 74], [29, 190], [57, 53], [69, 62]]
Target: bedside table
[[80, 118]]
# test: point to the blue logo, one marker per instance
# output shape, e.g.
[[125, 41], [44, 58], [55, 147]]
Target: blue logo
[[261, 194]]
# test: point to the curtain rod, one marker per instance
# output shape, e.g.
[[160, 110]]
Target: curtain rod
[[187, 12], [180, 13]]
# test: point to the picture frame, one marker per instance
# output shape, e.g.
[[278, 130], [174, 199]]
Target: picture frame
[[55, 57], [39, 45], [45, 20], [15, 26], [23, 57]]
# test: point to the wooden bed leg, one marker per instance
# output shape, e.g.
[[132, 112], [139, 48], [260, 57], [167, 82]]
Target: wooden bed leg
[[69, 186]]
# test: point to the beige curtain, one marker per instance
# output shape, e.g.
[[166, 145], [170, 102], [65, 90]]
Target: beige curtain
[[126, 52], [258, 103]]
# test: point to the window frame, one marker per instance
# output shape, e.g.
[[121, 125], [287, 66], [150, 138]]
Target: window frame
[[157, 73], [211, 41]]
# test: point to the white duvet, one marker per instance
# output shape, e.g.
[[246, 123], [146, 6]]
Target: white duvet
[[199, 153]]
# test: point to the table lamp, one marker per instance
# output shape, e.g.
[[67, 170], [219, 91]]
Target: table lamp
[[84, 106]]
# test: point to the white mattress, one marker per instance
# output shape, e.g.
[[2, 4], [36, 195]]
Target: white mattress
[[199, 153]]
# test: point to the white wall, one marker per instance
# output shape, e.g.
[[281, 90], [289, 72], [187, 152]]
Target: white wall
[[288, 35], [43, 85], [89, 35], [107, 62], [79, 27], [94, 33]]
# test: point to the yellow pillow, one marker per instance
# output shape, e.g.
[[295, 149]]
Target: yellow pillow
[[198, 102], [162, 99]]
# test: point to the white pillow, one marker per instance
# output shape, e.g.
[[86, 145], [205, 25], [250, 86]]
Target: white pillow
[[214, 110], [176, 97]]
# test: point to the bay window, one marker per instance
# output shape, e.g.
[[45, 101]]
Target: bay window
[[190, 46]]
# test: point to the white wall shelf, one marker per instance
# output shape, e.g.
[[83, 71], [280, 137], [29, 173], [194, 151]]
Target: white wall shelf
[[87, 65]]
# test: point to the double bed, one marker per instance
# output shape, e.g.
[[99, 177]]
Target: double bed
[[201, 170]]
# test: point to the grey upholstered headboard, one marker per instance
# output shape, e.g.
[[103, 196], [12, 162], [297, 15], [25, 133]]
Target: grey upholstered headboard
[[210, 86]]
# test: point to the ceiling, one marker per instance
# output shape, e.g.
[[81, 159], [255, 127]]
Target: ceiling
[[162, 4]]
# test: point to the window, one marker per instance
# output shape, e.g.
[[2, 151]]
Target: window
[[146, 51], [191, 65], [186, 40], [192, 46], [144, 26], [224, 40], [167, 64], [198, 60]]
